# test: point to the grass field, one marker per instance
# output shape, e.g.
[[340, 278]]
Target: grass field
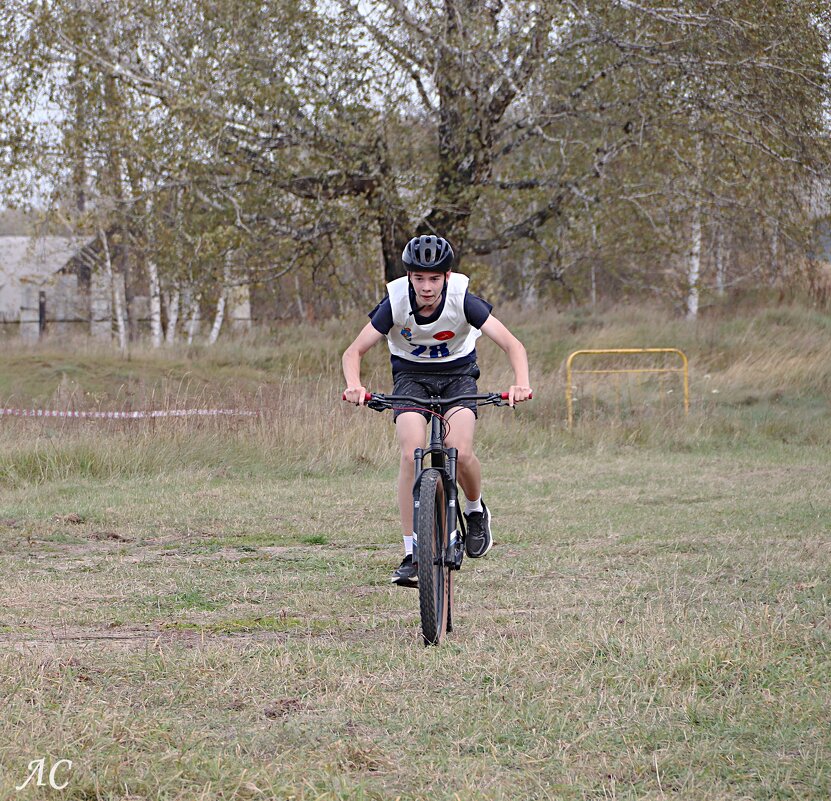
[[200, 610]]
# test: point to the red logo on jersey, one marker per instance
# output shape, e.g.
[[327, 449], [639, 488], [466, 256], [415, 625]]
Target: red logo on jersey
[[442, 336]]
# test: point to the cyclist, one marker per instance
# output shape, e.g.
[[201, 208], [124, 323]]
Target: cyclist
[[431, 323]]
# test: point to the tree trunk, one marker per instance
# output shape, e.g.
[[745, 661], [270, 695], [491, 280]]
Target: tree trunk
[[195, 315], [118, 301], [774, 253], [393, 227], [594, 265], [220, 304], [218, 317], [172, 304], [298, 298], [155, 304], [694, 266], [79, 156], [239, 306], [721, 273], [528, 278], [694, 269]]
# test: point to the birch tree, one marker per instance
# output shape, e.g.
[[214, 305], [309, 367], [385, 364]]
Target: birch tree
[[156, 332], [116, 288], [312, 135], [735, 133]]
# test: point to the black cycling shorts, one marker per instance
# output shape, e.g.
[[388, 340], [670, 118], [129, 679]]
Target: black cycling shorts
[[462, 381]]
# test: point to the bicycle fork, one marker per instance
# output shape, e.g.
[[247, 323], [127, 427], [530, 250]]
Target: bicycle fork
[[455, 551]]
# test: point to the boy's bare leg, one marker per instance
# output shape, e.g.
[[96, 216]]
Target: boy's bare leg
[[469, 473], [468, 468], [410, 428]]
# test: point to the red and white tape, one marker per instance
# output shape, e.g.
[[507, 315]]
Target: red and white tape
[[138, 415]]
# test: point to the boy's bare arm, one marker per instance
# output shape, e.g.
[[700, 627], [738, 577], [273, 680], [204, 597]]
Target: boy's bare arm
[[495, 330], [355, 390]]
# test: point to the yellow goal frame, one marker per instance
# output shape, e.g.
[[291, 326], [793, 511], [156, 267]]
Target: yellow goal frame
[[570, 372]]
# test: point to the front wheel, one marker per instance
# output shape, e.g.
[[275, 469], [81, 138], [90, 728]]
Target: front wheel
[[434, 581]]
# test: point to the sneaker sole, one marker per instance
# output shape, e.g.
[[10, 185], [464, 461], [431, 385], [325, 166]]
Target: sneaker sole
[[403, 582], [490, 539]]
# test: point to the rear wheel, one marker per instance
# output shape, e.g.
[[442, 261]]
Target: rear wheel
[[434, 582]]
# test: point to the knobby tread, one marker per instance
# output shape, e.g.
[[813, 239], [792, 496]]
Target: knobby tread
[[433, 584]]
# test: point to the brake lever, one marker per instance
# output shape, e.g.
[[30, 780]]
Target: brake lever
[[495, 401]]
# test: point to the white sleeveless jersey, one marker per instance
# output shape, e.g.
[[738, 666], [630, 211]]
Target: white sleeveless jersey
[[448, 338]]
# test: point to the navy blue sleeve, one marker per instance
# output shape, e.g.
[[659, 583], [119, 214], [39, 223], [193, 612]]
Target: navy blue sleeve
[[476, 310], [381, 317]]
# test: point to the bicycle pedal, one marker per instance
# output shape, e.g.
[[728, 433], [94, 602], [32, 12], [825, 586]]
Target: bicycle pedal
[[457, 556]]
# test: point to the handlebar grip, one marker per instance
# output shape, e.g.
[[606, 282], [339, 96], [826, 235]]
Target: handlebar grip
[[367, 397], [504, 396]]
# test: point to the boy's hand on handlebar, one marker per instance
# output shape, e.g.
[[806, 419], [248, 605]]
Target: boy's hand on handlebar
[[518, 393], [356, 395]]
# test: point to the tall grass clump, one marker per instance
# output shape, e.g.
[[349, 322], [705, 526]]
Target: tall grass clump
[[755, 376], [37, 457]]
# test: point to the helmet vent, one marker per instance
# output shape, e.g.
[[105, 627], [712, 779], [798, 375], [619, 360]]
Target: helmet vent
[[428, 253]]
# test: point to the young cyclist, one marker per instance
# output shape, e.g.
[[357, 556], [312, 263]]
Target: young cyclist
[[431, 323]]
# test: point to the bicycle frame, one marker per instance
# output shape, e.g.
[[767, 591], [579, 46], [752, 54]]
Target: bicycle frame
[[435, 581], [441, 458], [444, 460]]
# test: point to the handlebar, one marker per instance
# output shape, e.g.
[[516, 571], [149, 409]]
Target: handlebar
[[380, 402]]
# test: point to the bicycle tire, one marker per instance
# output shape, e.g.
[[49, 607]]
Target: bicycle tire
[[434, 581]]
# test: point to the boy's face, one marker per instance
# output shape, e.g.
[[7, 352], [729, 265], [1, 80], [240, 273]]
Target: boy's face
[[428, 287]]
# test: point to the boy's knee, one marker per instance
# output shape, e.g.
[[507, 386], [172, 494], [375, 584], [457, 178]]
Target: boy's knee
[[407, 453]]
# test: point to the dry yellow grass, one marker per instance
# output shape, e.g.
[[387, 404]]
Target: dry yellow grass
[[200, 609]]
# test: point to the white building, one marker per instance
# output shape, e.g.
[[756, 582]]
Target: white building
[[29, 265], [35, 269]]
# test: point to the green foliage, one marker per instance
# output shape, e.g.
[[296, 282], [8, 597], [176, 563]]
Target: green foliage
[[570, 146]]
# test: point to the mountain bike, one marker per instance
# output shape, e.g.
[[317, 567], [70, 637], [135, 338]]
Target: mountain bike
[[440, 529]]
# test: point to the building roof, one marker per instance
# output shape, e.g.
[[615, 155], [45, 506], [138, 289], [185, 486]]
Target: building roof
[[43, 256]]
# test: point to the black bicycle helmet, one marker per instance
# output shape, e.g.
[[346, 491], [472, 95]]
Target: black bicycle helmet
[[428, 254]]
